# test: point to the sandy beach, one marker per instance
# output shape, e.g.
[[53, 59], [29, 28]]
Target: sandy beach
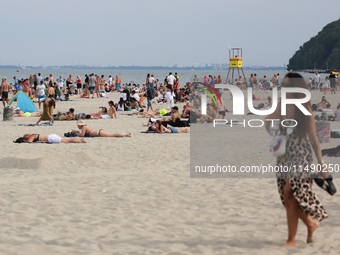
[[135, 195]]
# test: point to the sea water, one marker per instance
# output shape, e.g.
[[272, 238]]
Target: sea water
[[139, 76]]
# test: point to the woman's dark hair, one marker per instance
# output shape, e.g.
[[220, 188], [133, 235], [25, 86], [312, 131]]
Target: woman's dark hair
[[297, 81], [51, 102], [19, 140], [121, 102], [170, 87], [71, 110]]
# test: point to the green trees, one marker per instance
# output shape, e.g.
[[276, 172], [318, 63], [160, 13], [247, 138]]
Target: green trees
[[322, 50]]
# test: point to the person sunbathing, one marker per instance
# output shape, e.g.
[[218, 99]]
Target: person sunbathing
[[269, 102], [154, 114], [86, 131], [160, 129], [101, 114], [65, 116], [174, 114], [19, 113], [324, 104], [255, 97], [53, 138], [206, 118], [85, 94]]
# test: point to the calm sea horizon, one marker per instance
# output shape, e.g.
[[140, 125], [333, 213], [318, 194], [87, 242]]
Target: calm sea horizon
[[139, 76]]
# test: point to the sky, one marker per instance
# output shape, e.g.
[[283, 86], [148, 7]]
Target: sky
[[157, 32]]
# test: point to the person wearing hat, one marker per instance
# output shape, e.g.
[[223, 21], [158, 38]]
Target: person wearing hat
[[19, 113], [86, 131]]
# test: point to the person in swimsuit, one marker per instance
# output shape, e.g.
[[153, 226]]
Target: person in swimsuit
[[4, 91], [86, 131], [174, 114], [160, 129], [53, 138], [324, 104], [19, 113]]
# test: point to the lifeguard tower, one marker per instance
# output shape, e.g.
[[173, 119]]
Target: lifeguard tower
[[235, 57]]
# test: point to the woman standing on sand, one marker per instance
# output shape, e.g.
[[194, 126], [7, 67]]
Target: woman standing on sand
[[79, 81], [295, 187]]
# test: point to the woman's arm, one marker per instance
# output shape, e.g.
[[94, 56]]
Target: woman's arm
[[31, 138], [275, 115], [313, 139], [83, 131], [48, 112]]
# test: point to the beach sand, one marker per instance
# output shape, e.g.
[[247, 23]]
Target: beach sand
[[135, 195]]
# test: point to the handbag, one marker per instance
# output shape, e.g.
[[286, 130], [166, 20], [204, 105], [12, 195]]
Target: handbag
[[277, 146]]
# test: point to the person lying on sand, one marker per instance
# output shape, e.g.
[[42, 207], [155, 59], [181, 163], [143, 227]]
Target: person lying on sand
[[19, 113], [160, 129], [86, 131], [173, 114], [53, 138], [153, 114], [65, 116], [103, 114]]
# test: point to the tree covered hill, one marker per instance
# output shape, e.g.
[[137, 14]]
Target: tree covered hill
[[322, 50]]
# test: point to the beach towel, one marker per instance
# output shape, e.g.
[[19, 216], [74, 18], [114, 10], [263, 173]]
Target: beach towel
[[33, 125], [70, 134], [333, 152]]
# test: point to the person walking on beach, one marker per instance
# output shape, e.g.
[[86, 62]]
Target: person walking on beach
[[118, 80], [97, 84], [110, 81], [317, 80], [39, 78], [86, 81], [295, 187], [61, 83], [52, 80], [149, 96], [171, 79], [79, 81], [69, 84], [41, 89], [16, 84], [92, 84], [332, 82], [4, 91]]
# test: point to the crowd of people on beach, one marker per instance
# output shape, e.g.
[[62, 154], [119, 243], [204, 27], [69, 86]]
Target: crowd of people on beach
[[142, 98], [294, 188], [47, 91]]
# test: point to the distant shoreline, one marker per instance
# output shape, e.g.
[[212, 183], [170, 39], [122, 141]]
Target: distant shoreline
[[134, 67]]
